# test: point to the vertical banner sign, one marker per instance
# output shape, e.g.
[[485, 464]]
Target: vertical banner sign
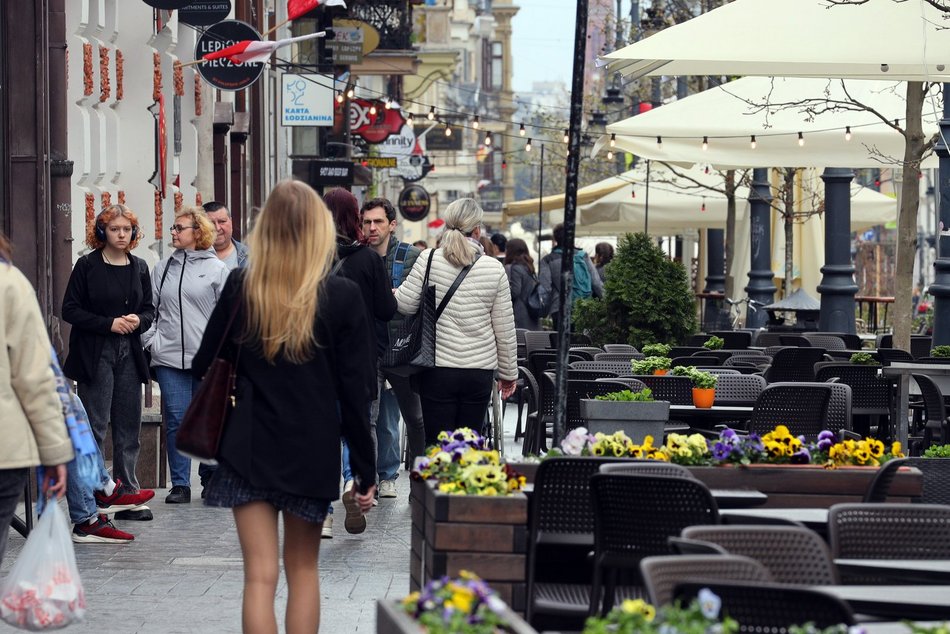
[[306, 100], [222, 73]]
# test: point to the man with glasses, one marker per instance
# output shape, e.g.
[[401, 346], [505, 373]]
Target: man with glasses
[[228, 250], [379, 224]]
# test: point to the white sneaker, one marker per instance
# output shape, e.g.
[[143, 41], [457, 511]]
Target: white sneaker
[[327, 531], [387, 489]]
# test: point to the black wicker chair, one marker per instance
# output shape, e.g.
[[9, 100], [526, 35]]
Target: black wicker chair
[[936, 472], [634, 516], [734, 339], [880, 485], [648, 467], [870, 393], [828, 342], [662, 574], [678, 390], [790, 553], [738, 389], [618, 356], [747, 359], [772, 608], [535, 340], [528, 394], [889, 531], [801, 408], [685, 351], [935, 425], [619, 368], [721, 355], [794, 364], [920, 346], [890, 355], [795, 340], [619, 347], [578, 389], [767, 339], [697, 359], [561, 523]]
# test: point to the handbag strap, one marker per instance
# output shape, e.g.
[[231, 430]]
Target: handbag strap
[[452, 289], [227, 331]]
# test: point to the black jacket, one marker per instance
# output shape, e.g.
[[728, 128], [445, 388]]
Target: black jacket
[[284, 433], [90, 328]]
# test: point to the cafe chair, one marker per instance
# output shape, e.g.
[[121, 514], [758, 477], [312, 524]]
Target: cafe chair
[[578, 389], [791, 554], [936, 474], [800, 407], [561, 524], [528, 395], [678, 390], [619, 347], [648, 467], [794, 364], [634, 516], [770, 607], [828, 342], [619, 368], [734, 339], [935, 423], [891, 355], [587, 351], [662, 574], [685, 351], [618, 356], [870, 393], [880, 485], [889, 531], [537, 340], [683, 546], [739, 389], [694, 360]]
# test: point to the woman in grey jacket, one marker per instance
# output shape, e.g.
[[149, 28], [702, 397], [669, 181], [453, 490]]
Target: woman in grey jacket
[[186, 286], [520, 268]]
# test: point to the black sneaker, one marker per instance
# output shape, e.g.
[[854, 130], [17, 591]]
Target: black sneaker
[[179, 494], [140, 514]]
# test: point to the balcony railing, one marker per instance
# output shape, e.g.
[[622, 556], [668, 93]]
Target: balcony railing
[[392, 18]]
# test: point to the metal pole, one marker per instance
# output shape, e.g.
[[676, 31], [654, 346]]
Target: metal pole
[[570, 215], [940, 289], [761, 285], [715, 278], [646, 204], [540, 202], [837, 285]]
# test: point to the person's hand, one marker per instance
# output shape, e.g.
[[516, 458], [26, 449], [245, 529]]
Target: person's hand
[[365, 500], [133, 320], [54, 482], [121, 326], [507, 387]]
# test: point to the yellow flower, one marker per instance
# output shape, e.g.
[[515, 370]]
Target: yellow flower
[[461, 599], [448, 487], [411, 598], [774, 449], [861, 455], [597, 450], [875, 447], [896, 449], [619, 450], [638, 606]]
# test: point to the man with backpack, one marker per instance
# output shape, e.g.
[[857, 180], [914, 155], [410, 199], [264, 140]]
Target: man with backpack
[[379, 224], [586, 281]]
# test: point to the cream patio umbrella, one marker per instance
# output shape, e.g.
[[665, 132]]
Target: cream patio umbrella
[[728, 116], [874, 39], [556, 201]]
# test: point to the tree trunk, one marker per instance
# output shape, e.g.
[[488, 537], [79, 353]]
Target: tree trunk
[[730, 187], [907, 221], [788, 215]]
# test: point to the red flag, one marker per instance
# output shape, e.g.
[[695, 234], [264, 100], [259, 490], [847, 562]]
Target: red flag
[[228, 51], [296, 8]]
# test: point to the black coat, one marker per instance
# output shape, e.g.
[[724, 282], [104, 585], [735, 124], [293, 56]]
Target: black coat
[[90, 329], [284, 433]]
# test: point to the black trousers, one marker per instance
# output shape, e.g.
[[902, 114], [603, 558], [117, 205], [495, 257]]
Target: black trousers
[[453, 398]]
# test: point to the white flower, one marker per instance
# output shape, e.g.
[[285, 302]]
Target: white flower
[[709, 603], [574, 443]]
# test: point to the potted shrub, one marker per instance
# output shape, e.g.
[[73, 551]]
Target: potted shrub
[[656, 350], [651, 365], [704, 385], [714, 343], [634, 413], [863, 358], [940, 351], [936, 451]]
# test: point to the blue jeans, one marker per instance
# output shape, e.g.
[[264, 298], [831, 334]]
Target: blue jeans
[[79, 498], [387, 436], [177, 389]]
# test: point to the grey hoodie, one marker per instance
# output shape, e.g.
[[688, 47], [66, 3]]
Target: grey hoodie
[[184, 303]]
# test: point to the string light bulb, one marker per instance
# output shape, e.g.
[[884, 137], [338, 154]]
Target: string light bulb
[[448, 130], [409, 120], [610, 155], [703, 207], [488, 139], [475, 122], [504, 164], [801, 139], [431, 114], [567, 136], [350, 93], [527, 146], [752, 142], [372, 109], [705, 143], [613, 140], [521, 130], [659, 143], [847, 133], [388, 104], [339, 97]]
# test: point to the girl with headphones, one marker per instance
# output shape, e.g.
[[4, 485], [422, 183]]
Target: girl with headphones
[[108, 301]]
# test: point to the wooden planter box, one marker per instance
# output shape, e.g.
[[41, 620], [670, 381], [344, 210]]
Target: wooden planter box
[[485, 535], [794, 486], [390, 619]]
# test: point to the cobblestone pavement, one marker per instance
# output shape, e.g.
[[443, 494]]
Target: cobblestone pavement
[[183, 572]]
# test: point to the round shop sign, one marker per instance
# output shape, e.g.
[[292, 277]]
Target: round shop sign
[[167, 4], [414, 203], [204, 12], [223, 73]]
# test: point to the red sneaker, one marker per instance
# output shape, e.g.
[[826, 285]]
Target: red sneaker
[[100, 532], [122, 499]]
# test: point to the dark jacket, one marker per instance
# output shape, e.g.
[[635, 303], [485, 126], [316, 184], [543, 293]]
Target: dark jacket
[[549, 274], [522, 282], [383, 330], [284, 433], [90, 329]]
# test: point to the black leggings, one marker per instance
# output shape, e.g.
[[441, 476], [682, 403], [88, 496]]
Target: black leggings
[[453, 398]]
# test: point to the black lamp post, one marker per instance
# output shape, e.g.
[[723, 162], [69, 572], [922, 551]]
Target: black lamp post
[[837, 286], [761, 288], [940, 289]]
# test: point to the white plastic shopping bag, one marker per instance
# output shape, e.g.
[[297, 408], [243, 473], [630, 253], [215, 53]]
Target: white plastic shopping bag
[[43, 590]]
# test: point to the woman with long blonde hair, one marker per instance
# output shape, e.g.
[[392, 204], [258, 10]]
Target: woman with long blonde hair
[[300, 350]]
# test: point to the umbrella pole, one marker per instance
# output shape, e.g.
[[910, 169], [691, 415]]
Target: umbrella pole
[[570, 215], [540, 201], [646, 205]]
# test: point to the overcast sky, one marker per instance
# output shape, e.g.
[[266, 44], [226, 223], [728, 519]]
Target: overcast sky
[[543, 42]]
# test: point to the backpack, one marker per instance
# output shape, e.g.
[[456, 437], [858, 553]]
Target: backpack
[[583, 285], [533, 301]]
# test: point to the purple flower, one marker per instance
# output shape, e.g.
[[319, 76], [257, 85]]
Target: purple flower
[[727, 434], [826, 435], [721, 451], [824, 444], [802, 456]]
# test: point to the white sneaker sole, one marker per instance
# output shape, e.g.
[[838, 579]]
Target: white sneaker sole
[[355, 522], [95, 539], [388, 494], [112, 510]]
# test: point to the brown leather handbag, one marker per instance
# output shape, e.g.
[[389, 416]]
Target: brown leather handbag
[[202, 426]]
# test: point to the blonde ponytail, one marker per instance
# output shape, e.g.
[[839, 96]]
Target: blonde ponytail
[[461, 217]]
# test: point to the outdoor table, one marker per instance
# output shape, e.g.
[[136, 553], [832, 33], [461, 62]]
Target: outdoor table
[[725, 498], [922, 571], [894, 602], [900, 372], [813, 518], [845, 355]]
